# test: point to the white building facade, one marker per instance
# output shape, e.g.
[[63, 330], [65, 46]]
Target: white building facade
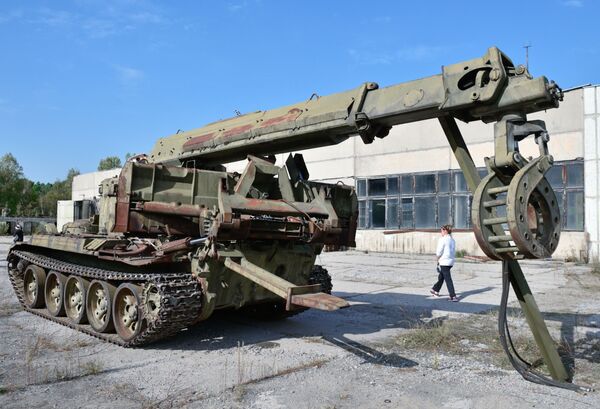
[[84, 189]]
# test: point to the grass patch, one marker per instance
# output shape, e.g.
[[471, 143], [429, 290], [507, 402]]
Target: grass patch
[[458, 336], [239, 391], [430, 337], [91, 368], [476, 335], [39, 345], [70, 367], [527, 348], [460, 253]]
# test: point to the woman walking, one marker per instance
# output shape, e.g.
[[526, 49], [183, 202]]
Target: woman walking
[[445, 260]]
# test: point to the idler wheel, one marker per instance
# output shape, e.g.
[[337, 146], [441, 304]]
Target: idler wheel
[[54, 292], [127, 312], [75, 296], [99, 306], [34, 279]]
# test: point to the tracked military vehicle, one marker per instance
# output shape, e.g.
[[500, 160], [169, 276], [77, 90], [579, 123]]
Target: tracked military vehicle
[[177, 237]]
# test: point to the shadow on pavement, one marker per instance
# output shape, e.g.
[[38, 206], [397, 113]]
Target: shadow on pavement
[[369, 314]]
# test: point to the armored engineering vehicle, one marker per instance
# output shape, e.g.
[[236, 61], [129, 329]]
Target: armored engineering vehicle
[[177, 237]]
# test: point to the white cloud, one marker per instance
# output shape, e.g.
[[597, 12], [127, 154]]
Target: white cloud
[[128, 75], [369, 58], [416, 53], [10, 16], [93, 19], [100, 28], [146, 17], [573, 3], [234, 8], [54, 18], [420, 52]]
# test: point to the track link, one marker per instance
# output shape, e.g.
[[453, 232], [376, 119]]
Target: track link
[[180, 297]]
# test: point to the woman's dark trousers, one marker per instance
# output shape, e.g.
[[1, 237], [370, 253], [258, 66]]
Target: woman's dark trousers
[[445, 276]]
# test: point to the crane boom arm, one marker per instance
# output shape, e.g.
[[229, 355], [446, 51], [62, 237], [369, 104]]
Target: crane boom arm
[[485, 88]]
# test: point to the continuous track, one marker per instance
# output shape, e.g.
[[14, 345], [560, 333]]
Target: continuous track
[[180, 297]]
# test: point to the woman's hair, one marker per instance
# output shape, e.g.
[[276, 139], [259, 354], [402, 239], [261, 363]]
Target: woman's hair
[[448, 228]]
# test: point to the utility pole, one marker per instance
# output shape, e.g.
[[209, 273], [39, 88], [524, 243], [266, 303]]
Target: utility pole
[[527, 47]]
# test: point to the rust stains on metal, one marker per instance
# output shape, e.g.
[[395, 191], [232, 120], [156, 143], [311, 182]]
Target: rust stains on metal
[[292, 115], [237, 130], [170, 208], [197, 141], [123, 201], [176, 245]]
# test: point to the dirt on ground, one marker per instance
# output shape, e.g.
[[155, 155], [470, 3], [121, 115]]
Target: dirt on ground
[[395, 347]]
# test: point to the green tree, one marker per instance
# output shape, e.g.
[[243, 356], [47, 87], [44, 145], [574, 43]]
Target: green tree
[[110, 162], [59, 190], [12, 183], [25, 198]]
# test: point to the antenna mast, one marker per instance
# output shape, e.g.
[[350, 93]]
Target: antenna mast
[[527, 47]]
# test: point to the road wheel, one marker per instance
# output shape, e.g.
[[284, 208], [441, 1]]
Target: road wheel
[[75, 295], [55, 287], [127, 312], [99, 306], [34, 279]]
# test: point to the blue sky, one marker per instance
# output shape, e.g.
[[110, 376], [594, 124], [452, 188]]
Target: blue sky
[[81, 80]]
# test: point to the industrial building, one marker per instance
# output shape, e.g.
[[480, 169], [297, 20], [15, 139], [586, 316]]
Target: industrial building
[[409, 183]]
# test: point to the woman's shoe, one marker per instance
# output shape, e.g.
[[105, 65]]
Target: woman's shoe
[[454, 299], [434, 293]]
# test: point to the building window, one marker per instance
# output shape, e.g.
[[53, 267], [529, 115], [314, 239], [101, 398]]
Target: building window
[[361, 187], [377, 208], [460, 184], [391, 219], [574, 211], [376, 187], [407, 184], [362, 214], [444, 210], [555, 176], [574, 175], [424, 183], [566, 180], [461, 212], [425, 212], [407, 213], [392, 186], [431, 200], [444, 182]]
